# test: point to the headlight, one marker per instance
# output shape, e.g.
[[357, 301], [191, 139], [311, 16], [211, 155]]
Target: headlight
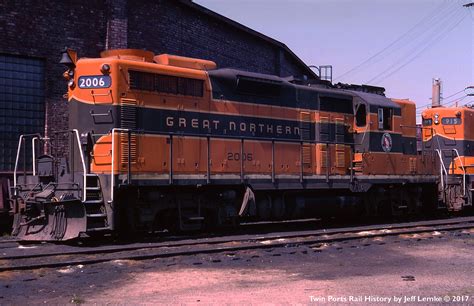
[[71, 83], [436, 119]]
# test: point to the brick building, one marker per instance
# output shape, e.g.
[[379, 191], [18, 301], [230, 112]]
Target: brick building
[[35, 32]]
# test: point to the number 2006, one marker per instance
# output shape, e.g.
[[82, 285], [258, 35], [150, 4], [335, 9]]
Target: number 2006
[[236, 156], [94, 82]]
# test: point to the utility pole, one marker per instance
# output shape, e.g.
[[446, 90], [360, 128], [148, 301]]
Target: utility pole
[[470, 89]]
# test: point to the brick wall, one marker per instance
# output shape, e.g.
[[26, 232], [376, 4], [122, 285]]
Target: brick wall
[[43, 28], [117, 21], [176, 28]]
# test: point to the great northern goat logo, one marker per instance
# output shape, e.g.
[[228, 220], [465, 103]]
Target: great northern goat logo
[[386, 142]]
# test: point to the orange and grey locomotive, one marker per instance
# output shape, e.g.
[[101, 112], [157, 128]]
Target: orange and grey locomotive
[[449, 132], [168, 142]]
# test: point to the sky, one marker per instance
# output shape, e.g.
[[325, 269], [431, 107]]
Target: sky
[[397, 44]]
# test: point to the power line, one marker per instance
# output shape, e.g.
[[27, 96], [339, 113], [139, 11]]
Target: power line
[[453, 102], [380, 77], [428, 18], [447, 104], [441, 30], [444, 98]]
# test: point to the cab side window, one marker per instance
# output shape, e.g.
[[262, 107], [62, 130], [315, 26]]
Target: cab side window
[[361, 115], [385, 116]]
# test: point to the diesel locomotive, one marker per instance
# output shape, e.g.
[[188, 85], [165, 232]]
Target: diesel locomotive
[[169, 142]]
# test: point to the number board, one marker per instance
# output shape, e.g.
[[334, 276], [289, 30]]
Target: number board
[[94, 81], [451, 121]]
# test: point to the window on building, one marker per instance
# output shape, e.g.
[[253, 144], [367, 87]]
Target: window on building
[[21, 104], [166, 84]]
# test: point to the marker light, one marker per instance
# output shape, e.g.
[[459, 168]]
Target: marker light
[[105, 69]]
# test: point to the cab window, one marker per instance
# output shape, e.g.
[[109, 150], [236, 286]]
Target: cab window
[[361, 115], [385, 118]]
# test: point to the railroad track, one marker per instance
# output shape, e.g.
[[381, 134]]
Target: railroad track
[[36, 257]]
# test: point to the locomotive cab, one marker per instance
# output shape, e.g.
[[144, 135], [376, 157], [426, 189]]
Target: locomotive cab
[[449, 134], [384, 135]]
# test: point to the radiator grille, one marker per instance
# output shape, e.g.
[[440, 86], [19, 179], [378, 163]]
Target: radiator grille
[[128, 120], [324, 156], [305, 125]]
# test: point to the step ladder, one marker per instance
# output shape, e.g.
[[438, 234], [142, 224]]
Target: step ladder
[[357, 164], [453, 190], [94, 204], [189, 215]]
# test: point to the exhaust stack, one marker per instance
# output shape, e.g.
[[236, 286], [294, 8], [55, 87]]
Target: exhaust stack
[[436, 93]]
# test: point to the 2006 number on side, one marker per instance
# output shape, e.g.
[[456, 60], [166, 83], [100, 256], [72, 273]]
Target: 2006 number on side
[[99, 81]]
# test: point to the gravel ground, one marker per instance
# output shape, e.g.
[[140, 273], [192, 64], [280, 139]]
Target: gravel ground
[[417, 269]]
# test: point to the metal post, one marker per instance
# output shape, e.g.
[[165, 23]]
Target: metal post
[[351, 158], [327, 162], [301, 162], [273, 160], [452, 161], [241, 160], [83, 162], [24, 161], [71, 140], [33, 158], [20, 141], [171, 160], [208, 159], [129, 157]]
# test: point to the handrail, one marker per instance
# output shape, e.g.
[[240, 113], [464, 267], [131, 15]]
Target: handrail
[[109, 93], [442, 168], [17, 159], [79, 147], [34, 154], [38, 137], [463, 172], [113, 161], [82, 161], [108, 113], [209, 137], [214, 136]]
